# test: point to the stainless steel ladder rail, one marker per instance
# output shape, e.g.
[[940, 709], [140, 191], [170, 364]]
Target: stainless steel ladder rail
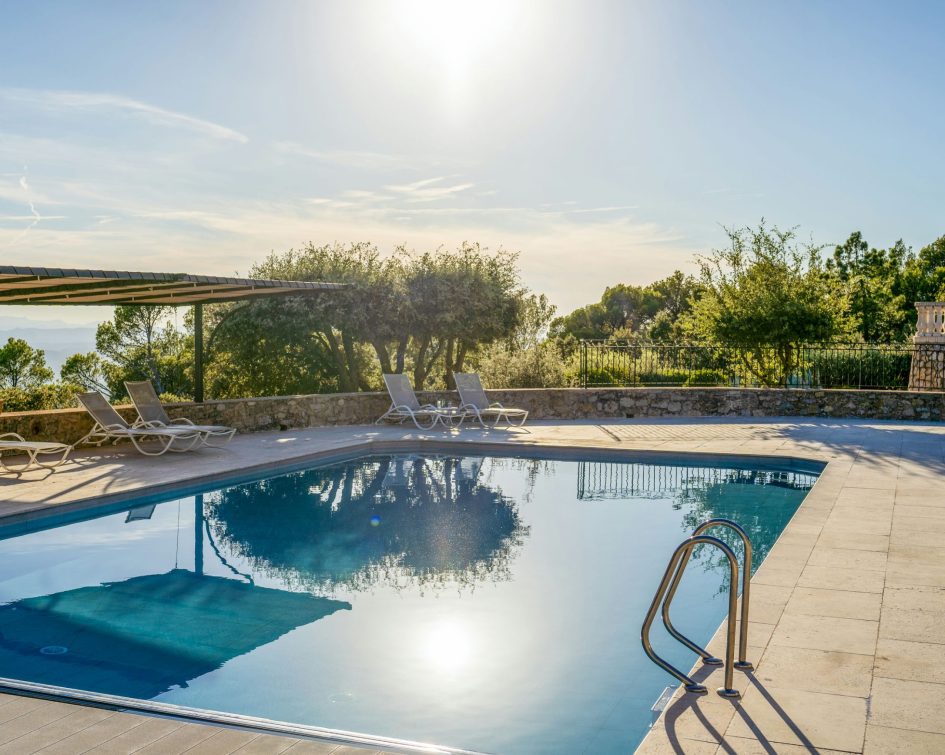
[[682, 553], [742, 664]]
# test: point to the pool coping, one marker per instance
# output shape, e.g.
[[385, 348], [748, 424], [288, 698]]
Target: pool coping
[[861, 484]]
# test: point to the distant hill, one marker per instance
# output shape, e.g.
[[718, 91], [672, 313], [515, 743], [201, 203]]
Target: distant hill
[[59, 341]]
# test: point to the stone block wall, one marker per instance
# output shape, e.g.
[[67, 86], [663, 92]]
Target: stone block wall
[[927, 372], [286, 412]]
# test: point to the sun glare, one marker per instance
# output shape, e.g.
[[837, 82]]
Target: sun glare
[[448, 646], [456, 36]]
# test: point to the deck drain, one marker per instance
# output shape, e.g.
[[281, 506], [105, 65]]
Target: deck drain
[[54, 650]]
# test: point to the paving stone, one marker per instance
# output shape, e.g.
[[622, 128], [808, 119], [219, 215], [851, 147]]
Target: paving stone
[[908, 705], [826, 633], [816, 670], [841, 578], [915, 661], [795, 717], [843, 604], [882, 740], [848, 558]]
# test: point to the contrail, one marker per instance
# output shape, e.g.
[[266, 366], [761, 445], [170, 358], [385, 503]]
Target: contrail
[[35, 213]]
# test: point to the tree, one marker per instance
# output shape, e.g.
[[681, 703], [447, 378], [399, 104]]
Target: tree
[[86, 371], [627, 311], [766, 294], [22, 366], [924, 277], [413, 311], [874, 283], [140, 344]]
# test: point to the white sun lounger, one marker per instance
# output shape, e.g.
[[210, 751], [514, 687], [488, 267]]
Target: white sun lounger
[[33, 450], [151, 414], [404, 404], [473, 401], [111, 426]]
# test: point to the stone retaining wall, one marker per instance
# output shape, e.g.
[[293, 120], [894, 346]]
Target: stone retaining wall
[[285, 412]]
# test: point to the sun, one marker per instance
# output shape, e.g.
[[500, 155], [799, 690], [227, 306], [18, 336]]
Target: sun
[[457, 36]]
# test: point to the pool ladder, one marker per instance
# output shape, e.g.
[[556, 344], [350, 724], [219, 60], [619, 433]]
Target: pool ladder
[[667, 590]]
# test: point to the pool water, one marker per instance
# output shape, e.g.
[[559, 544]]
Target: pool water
[[486, 603]]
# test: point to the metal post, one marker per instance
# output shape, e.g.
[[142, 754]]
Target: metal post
[[198, 353], [198, 533]]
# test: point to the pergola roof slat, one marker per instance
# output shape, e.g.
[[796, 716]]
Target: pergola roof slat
[[53, 286]]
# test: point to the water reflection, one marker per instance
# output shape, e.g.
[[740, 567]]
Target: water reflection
[[143, 636], [403, 520], [761, 501]]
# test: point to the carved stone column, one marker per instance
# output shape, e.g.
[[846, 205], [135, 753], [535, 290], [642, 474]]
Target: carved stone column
[[927, 372]]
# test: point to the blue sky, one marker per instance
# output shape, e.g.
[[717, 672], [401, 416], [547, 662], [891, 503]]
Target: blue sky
[[605, 141]]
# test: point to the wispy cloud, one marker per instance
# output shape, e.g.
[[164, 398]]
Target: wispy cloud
[[360, 159], [429, 189], [59, 100]]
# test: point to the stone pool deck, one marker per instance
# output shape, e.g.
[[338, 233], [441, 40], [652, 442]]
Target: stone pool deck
[[848, 616]]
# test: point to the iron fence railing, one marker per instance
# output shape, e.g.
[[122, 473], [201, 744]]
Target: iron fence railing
[[843, 365]]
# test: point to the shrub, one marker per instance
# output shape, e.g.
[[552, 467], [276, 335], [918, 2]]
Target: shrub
[[706, 377]]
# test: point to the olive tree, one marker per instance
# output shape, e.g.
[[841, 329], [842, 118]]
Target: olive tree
[[765, 294]]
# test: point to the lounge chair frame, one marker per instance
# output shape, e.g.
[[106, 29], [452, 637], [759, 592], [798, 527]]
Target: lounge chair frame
[[151, 414], [474, 402], [110, 426], [33, 450], [405, 405]]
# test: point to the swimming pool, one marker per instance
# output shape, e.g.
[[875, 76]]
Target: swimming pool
[[483, 602]]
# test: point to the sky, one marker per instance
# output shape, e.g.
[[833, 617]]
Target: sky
[[605, 141]]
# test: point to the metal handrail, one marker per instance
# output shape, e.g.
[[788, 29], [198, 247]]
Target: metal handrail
[[741, 664], [684, 550]]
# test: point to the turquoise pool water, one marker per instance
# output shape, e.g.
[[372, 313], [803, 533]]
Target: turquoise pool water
[[486, 603]]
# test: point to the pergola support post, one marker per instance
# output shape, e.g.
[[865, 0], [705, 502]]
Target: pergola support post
[[198, 353]]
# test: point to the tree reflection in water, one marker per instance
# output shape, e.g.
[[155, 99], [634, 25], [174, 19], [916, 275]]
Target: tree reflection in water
[[703, 493], [400, 520]]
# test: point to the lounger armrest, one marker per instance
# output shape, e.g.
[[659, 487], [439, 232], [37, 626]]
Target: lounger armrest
[[15, 436], [182, 421], [114, 426], [496, 405]]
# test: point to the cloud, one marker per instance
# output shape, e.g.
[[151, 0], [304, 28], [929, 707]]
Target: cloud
[[62, 101], [364, 159], [427, 190]]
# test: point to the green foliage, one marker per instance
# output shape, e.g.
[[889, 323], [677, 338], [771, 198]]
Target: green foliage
[[139, 343], [874, 367], [86, 371], [39, 397], [874, 282], [414, 311], [626, 311], [767, 294], [706, 377], [22, 366]]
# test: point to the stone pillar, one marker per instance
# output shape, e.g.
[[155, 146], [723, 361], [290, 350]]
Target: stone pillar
[[927, 372]]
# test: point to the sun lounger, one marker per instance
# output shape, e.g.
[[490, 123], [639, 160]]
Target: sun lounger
[[33, 450], [151, 414], [473, 401], [111, 426], [404, 404]]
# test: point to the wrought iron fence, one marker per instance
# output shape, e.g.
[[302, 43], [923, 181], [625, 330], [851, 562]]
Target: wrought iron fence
[[843, 365]]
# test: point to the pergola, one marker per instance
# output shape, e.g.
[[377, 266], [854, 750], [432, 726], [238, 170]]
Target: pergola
[[73, 287]]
